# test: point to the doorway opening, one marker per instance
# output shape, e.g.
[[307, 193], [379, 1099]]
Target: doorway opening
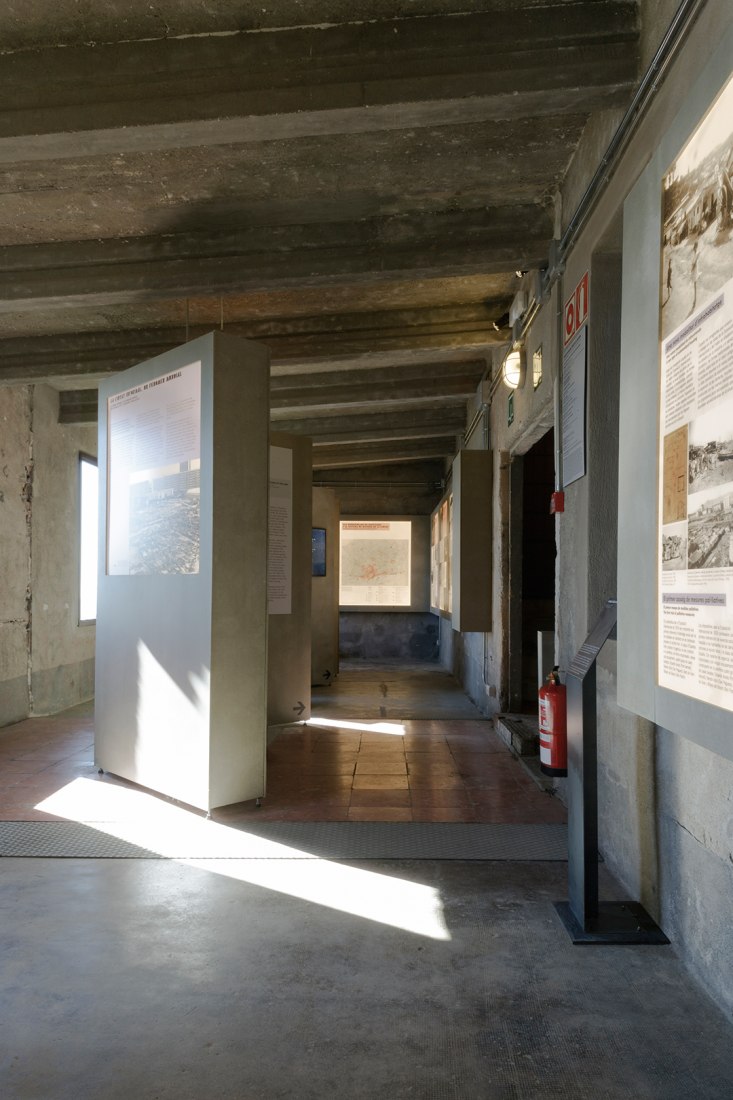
[[533, 551]]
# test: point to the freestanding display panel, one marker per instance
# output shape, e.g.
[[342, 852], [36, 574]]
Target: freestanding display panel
[[460, 545], [181, 662], [289, 671], [325, 586]]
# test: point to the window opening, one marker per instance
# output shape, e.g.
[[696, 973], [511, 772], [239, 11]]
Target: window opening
[[88, 538]]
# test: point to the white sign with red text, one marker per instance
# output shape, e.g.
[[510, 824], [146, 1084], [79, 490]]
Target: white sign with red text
[[574, 369]]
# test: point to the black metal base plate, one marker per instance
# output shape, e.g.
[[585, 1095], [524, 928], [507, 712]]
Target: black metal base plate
[[618, 922]]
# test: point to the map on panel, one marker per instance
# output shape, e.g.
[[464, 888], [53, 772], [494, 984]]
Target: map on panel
[[386, 562], [375, 563]]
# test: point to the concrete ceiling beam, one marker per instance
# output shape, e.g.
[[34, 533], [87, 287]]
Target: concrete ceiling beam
[[332, 428], [452, 426], [330, 458], [109, 272], [395, 403], [392, 340], [353, 392], [167, 137], [81, 407], [431, 375], [346, 65]]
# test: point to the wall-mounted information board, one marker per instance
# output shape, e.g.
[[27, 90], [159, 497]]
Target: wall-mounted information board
[[375, 563], [460, 550], [384, 563], [695, 497]]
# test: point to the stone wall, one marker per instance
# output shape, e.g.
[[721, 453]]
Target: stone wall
[[373, 635], [16, 479], [46, 657]]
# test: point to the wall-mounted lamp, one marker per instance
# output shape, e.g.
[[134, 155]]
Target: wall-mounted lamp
[[512, 369]]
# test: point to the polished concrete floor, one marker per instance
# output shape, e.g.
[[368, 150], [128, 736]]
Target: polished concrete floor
[[296, 979]]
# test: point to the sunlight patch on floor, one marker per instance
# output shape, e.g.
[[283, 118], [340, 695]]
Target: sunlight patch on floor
[[194, 841], [395, 728]]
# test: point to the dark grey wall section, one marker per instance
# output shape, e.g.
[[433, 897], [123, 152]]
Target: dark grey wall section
[[181, 659], [707, 725], [289, 641], [372, 636]]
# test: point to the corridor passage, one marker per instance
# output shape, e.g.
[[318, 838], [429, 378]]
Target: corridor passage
[[390, 741], [387, 742]]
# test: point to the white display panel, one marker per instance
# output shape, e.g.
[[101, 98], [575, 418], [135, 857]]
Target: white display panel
[[695, 499], [154, 476], [88, 543], [376, 558], [280, 533], [574, 368]]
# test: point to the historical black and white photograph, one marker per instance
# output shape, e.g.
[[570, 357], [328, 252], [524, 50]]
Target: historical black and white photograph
[[674, 547], [697, 204], [165, 519], [710, 532], [155, 475], [710, 451]]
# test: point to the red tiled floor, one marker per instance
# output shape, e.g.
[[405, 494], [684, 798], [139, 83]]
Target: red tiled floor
[[443, 813], [379, 767], [376, 782], [439, 796], [381, 813], [452, 770], [372, 798]]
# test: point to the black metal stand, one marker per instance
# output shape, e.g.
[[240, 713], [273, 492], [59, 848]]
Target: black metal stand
[[586, 919]]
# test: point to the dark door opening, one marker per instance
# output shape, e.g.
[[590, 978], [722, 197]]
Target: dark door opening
[[533, 598]]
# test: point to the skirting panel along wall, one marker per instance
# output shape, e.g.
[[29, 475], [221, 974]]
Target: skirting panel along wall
[[182, 611]]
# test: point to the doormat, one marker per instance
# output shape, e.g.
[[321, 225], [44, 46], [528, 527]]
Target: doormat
[[348, 840]]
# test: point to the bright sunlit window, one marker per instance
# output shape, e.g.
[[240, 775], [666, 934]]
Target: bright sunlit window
[[89, 485]]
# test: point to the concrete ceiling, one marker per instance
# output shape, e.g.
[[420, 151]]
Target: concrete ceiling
[[356, 185]]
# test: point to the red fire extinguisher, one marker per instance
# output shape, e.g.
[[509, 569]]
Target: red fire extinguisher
[[553, 726]]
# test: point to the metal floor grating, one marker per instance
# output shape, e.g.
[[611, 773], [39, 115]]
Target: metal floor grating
[[283, 840]]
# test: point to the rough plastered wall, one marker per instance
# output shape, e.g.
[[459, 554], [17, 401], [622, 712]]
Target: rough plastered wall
[[46, 658], [62, 650], [469, 655], [477, 660], [665, 803], [16, 466]]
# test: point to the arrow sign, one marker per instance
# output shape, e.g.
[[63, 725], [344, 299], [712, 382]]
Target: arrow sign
[[299, 708]]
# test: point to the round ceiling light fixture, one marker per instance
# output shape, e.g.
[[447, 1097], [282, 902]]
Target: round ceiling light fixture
[[512, 369]]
